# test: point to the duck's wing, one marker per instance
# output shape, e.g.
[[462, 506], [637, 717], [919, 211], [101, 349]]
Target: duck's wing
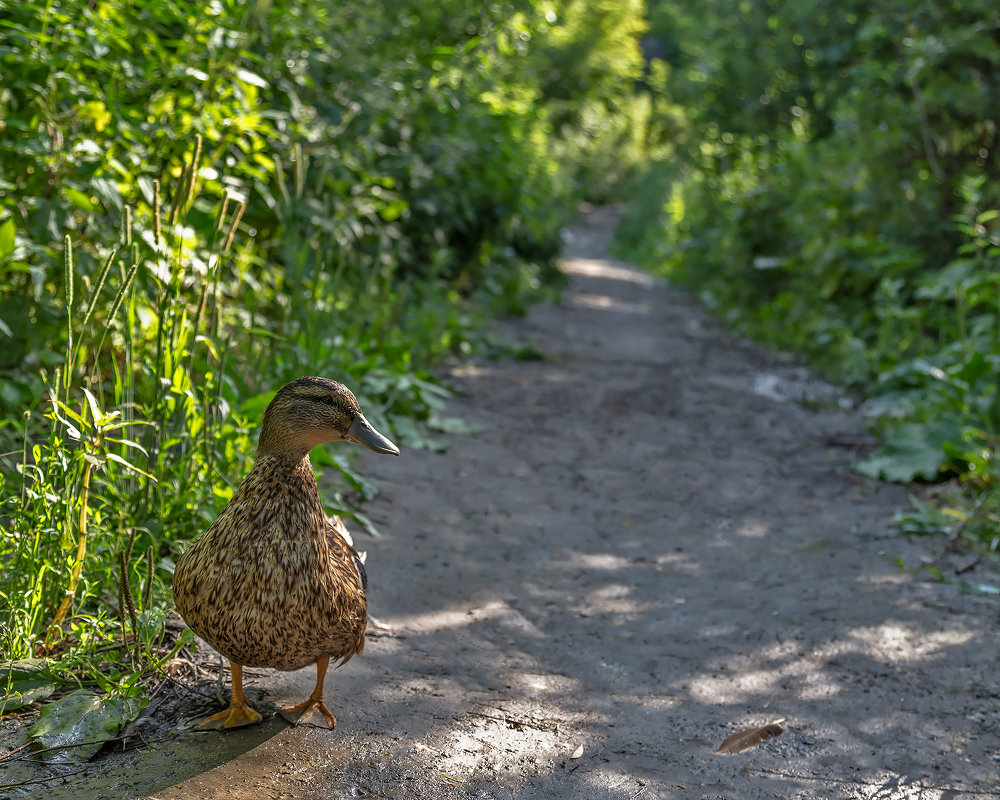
[[342, 548]]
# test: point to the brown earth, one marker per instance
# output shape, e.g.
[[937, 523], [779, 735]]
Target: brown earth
[[653, 541]]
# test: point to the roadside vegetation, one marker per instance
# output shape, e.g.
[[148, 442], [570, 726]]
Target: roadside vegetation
[[202, 201], [199, 202], [830, 187]]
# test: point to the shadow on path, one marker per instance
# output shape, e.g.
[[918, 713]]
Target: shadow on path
[[649, 545]]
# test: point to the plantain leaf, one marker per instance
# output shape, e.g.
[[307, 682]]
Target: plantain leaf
[[81, 722], [21, 693]]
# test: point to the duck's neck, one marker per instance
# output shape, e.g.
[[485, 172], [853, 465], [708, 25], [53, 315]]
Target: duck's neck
[[276, 441], [283, 461], [287, 479], [286, 468]]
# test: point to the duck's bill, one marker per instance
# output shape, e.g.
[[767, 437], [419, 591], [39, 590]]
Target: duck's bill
[[362, 432]]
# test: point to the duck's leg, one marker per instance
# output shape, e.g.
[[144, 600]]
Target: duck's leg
[[306, 712], [239, 712]]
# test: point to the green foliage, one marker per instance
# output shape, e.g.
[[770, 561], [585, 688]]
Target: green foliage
[[833, 191], [589, 62], [76, 726], [201, 202]]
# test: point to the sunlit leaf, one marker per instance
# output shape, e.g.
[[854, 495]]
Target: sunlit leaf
[[81, 722], [129, 443], [79, 199], [24, 692], [252, 78], [95, 409], [7, 237], [119, 460]]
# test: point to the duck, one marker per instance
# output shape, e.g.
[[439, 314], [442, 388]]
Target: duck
[[275, 582]]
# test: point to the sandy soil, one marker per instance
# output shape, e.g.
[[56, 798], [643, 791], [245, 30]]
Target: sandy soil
[[650, 544]]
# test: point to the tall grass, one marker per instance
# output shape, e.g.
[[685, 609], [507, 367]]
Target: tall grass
[[122, 454], [174, 342]]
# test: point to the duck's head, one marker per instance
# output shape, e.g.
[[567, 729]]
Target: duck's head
[[310, 411]]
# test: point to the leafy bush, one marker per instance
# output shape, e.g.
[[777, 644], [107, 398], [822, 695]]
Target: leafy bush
[[833, 192], [200, 202]]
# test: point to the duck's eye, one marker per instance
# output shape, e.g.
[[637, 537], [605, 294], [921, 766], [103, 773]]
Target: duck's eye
[[327, 398]]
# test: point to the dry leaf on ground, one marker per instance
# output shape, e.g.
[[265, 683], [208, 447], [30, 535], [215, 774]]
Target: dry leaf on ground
[[750, 737]]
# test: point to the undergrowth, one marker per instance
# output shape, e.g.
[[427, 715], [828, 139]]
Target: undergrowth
[[833, 193], [200, 203]]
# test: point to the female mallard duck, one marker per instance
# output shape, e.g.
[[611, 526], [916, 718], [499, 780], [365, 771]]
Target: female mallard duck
[[274, 582]]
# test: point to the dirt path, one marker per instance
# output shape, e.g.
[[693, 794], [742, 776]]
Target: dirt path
[[647, 547]]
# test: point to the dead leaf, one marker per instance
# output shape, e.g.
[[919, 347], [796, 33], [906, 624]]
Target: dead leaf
[[750, 737], [578, 752]]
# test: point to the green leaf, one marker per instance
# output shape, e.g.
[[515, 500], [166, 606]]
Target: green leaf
[[252, 78], [24, 692], [7, 231], [452, 425], [910, 451], [23, 667], [79, 199], [119, 460], [128, 443], [69, 412], [82, 717], [974, 370], [95, 410]]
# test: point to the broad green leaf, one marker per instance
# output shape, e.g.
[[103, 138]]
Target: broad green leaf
[[82, 717], [24, 692], [7, 232], [79, 199], [974, 370], [22, 668], [910, 451]]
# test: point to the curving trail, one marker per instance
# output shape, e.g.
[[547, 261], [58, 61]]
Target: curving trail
[[649, 545]]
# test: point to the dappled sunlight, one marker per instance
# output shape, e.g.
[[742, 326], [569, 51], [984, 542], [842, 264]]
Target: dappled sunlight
[[787, 672], [601, 302], [613, 599], [454, 619], [597, 560], [894, 643], [635, 558], [599, 268], [678, 561], [754, 528], [744, 687]]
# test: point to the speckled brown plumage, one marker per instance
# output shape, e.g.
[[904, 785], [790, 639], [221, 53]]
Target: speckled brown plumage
[[274, 582]]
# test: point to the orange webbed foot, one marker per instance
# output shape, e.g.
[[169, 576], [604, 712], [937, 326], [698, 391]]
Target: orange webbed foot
[[312, 712], [236, 716]]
